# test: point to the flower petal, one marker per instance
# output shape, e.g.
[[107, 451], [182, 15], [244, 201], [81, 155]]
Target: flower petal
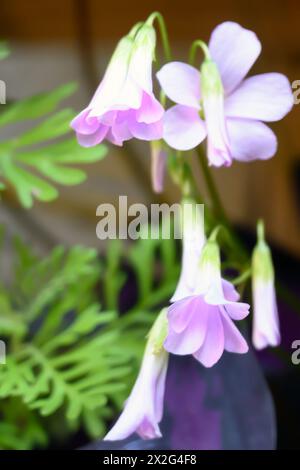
[[266, 330], [150, 111], [213, 346], [89, 140], [250, 140], [218, 151], [180, 313], [234, 49], [120, 130], [183, 128], [148, 429], [236, 310], [265, 97], [234, 340], [83, 124], [143, 131], [160, 392], [230, 293], [191, 338], [158, 168], [181, 83]]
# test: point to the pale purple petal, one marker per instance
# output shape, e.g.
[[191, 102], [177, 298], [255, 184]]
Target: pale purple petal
[[234, 341], [237, 310], [192, 244], [111, 138], [89, 140], [180, 313], [266, 331], [150, 111], [191, 338], [265, 97], [181, 83], [160, 393], [218, 151], [144, 407], [234, 49], [148, 429], [230, 292], [158, 168], [213, 346], [250, 140], [83, 124], [120, 130], [144, 131], [183, 128]]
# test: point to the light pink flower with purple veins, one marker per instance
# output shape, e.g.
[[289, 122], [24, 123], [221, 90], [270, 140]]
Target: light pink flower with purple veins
[[124, 105], [144, 407], [221, 104], [204, 327]]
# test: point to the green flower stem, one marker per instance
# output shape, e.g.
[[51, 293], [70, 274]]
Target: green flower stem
[[214, 195], [242, 278], [198, 44], [165, 43], [233, 241], [163, 32]]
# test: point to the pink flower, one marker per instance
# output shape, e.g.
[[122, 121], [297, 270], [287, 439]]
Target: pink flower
[[144, 408], [124, 105], [204, 328], [200, 319], [221, 104]]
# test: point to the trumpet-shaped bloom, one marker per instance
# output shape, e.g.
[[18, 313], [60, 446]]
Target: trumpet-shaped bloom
[[144, 408], [266, 331], [201, 318], [221, 104], [204, 328], [124, 105]]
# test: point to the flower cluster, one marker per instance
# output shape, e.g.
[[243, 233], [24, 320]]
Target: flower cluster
[[218, 103]]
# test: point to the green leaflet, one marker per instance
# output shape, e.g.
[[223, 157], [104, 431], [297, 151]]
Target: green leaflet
[[30, 162], [70, 361]]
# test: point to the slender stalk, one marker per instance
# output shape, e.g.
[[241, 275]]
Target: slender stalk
[[198, 44], [215, 198], [163, 33]]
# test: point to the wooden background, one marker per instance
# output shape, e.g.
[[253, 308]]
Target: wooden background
[[58, 40]]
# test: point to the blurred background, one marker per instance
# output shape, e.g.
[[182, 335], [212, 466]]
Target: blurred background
[[56, 41], [53, 42]]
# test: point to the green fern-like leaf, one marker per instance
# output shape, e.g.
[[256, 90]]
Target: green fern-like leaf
[[33, 161]]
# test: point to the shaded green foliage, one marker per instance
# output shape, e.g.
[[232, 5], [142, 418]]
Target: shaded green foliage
[[71, 360]]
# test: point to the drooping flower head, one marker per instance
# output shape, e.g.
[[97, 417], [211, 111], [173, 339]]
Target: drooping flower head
[[266, 331], [201, 323], [144, 407], [219, 103], [124, 105]]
